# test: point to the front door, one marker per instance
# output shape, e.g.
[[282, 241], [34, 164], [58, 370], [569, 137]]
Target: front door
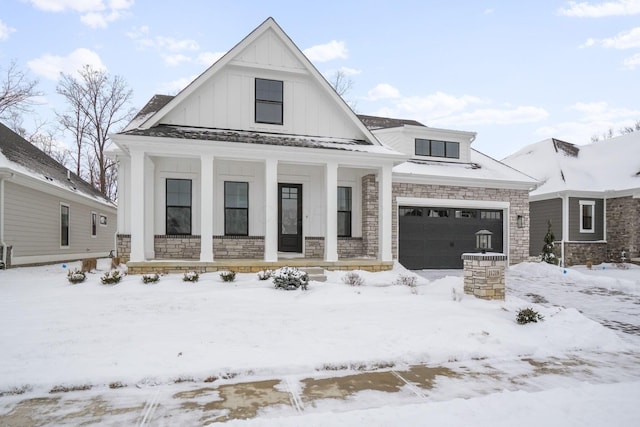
[[290, 218]]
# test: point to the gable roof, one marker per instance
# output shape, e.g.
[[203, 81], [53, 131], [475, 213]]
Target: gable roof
[[610, 166], [154, 118], [19, 155]]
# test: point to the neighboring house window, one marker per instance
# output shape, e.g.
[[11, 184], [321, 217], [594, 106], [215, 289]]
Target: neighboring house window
[[344, 211], [178, 206], [64, 225], [433, 148], [269, 101], [587, 211], [236, 208], [103, 220], [94, 224]]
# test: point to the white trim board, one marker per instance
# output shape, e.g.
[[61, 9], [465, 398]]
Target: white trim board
[[452, 203]]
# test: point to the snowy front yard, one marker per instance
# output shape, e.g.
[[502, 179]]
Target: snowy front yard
[[58, 334]]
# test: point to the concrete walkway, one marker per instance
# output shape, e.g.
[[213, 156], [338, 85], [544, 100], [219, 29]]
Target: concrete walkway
[[220, 400]]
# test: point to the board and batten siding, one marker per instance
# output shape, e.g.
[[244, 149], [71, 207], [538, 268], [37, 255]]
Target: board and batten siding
[[32, 227], [574, 220], [540, 213]]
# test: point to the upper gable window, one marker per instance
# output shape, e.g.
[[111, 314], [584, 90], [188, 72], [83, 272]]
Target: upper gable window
[[433, 148], [269, 101]]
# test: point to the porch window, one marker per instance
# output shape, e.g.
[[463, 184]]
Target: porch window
[[236, 208], [344, 211], [587, 208], [94, 224], [178, 206], [64, 225], [269, 101]]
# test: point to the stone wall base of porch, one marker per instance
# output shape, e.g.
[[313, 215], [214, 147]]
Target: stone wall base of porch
[[253, 266]]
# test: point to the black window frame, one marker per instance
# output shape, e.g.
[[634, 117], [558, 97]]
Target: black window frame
[[446, 149], [345, 215], [65, 221], [169, 230], [236, 209], [261, 100], [94, 224]]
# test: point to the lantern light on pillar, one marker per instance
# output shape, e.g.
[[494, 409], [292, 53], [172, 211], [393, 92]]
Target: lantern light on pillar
[[483, 240]]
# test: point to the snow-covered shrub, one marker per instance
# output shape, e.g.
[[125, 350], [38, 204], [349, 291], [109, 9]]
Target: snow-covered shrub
[[547, 250], [111, 277], [190, 276], [290, 278], [228, 276], [150, 278], [76, 276], [528, 315], [264, 274], [352, 278], [406, 280]]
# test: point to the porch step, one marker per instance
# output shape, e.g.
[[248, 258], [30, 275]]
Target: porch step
[[314, 273]]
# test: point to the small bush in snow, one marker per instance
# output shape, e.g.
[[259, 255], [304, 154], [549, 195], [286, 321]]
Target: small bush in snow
[[528, 315], [228, 276], [111, 277], [190, 276], [352, 278], [76, 276], [264, 274], [150, 278], [289, 278], [406, 280]]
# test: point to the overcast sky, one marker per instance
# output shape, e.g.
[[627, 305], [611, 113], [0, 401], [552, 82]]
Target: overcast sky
[[513, 71]]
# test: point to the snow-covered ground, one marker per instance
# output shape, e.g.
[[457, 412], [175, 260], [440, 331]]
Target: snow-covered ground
[[56, 334]]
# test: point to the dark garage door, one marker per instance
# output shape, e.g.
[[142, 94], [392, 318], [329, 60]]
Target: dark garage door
[[437, 237]]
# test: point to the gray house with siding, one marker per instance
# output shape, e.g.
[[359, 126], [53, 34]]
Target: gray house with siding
[[47, 213], [589, 193]]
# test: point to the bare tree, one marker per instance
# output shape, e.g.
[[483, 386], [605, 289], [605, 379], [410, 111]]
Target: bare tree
[[97, 106], [17, 91], [629, 129], [342, 84]]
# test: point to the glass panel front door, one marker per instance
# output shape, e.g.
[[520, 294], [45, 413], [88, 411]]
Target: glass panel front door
[[290, 218]]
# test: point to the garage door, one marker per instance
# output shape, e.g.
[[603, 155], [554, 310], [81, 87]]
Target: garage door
[[437, 237]]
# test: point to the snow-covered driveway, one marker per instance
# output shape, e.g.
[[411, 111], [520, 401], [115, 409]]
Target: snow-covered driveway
[[605, 293]]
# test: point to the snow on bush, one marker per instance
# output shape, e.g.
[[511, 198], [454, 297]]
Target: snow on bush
[[264, 274], [406, 280], [352, 278], [228, 276], [528, 315], [76, 276], [290, 278], [150, 278], [111, 277], [190, 276]]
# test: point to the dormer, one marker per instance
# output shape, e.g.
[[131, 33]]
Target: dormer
[[422, 142]]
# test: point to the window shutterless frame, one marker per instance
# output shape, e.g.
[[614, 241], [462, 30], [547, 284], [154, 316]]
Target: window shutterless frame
[[344, 211], [94, 224], [269, 101], [65, 215], [587, 216], [434, 148], [236, 208], [178, 206]]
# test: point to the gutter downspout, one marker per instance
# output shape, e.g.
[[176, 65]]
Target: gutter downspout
[[3, 177], [565, 226]]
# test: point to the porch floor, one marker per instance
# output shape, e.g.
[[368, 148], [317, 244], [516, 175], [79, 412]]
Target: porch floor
[[252, 266]]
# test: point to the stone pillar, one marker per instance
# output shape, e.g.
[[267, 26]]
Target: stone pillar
[[484, 275]]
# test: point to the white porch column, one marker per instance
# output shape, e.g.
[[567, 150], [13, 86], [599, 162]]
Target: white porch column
[[384, 213], [206, 207], [137, 200], [331, 214], [271, 210]]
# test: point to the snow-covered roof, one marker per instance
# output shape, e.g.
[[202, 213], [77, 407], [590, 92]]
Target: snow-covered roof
[[482, 171], [20, 156], [607, 166], [263, 138]]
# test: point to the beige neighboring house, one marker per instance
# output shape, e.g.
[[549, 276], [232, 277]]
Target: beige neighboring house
[[47, 213], [260, 159]]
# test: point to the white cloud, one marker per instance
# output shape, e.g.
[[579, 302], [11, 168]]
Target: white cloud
[[435, 106], [496, 116], [624, 40], [94, 13], [5, 30], [177, 59], [383, 91], [327, 52], [208, 58], [488, 11], [50, 66], [171, 50], [597, 10], [632, 62], [594, 111], [349, 71], [175, 86]]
